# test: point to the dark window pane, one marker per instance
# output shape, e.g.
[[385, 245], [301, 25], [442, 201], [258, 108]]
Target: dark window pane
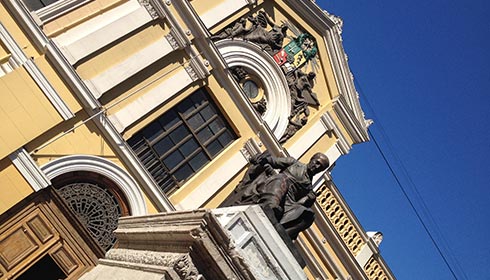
[[172, 160], [186, 107], [189, 147], [34, 5], [162, 146], [182, 130], [198, 98], [198, 161], [216, 126], [214, 148], [169, 119], [151, 131], [207, 112], [204, 134], [183, 173], [135, 141], [225, 138], [195, 121], [178, 134]]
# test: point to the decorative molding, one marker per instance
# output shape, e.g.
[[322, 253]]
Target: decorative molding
[[337, 21], [199, 67], [58, 9], [190, 71], [250, 148], [29, 169], [176, 29], [103, 167], [66, 70], [48, 90], [104, 124], [28, 22], [161, 10], [17, 55], [167, 259], [330, 124], [7, 66], [20, 58], [171, 40], [357, 131], [186, 269], [147, 4], [328, 25], [255, 61]]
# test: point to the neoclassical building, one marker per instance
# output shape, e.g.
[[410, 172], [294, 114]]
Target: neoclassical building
[[142, 116]]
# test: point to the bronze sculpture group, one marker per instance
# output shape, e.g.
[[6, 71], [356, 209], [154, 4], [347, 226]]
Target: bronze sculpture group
[[282, 185]]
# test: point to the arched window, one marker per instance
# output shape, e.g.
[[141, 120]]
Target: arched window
[[98, 191], [96, 201]]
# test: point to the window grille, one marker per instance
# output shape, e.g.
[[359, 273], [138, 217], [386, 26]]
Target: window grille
[[183, 140]]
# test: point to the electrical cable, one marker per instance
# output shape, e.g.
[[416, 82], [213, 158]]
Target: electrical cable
[[414, 189]]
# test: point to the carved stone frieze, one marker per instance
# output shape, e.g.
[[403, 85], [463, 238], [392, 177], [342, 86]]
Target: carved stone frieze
[[144, 257]]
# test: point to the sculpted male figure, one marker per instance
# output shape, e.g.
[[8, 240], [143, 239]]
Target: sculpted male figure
[[289, 193]]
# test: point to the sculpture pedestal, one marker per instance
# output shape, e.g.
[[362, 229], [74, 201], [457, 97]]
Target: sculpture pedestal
[[226, 243]]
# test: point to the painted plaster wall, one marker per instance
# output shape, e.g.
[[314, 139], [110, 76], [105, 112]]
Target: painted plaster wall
[[13, 186], [25, 111]]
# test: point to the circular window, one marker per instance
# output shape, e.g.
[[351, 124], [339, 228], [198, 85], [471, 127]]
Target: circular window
[[251, 89]]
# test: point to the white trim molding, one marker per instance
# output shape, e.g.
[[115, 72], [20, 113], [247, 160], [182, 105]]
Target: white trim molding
[[331, 125], [357, 131], [144, 104], [330, 28], [98, 32], [28, 22], [58, 9], [262, 65], [29, 169], [103, 167], [20, 59]]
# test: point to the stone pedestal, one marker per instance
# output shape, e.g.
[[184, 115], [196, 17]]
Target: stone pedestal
[[225, 243]]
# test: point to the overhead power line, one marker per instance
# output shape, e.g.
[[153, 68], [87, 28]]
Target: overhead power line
[[421, 211]]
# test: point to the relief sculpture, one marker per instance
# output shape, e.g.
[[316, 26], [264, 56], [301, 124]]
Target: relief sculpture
[[291, 53]]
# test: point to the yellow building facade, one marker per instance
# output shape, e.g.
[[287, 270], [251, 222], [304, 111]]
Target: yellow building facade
[[114, 108]]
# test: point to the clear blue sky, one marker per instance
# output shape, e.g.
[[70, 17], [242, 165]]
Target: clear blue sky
[[424, 67]]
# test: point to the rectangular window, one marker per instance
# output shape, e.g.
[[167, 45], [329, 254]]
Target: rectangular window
[[182, 140]]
